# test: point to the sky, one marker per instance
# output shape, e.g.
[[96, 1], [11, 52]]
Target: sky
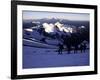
[[62, 15]]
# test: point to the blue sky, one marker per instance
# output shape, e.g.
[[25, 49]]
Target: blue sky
[[62, 15]]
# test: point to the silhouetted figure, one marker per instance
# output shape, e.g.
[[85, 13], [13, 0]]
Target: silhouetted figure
[[60, 48], [76, 48], [68, 48], [81, 48], [84, 47], [67, 43]]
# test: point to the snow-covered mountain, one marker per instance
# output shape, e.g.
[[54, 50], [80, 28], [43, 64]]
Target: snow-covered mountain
[[56, 27], [52, 33]]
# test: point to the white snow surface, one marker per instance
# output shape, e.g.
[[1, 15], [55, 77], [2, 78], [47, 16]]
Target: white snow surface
[[42, 57]]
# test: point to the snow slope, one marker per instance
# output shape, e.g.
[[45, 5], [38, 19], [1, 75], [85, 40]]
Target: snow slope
[[38, 44], [41, 58]]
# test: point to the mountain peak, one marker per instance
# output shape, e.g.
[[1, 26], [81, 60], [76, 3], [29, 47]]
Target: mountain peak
[[56, 27]]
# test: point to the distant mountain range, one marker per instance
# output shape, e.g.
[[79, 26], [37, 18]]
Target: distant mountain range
[[30, 23], [52, 20]]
